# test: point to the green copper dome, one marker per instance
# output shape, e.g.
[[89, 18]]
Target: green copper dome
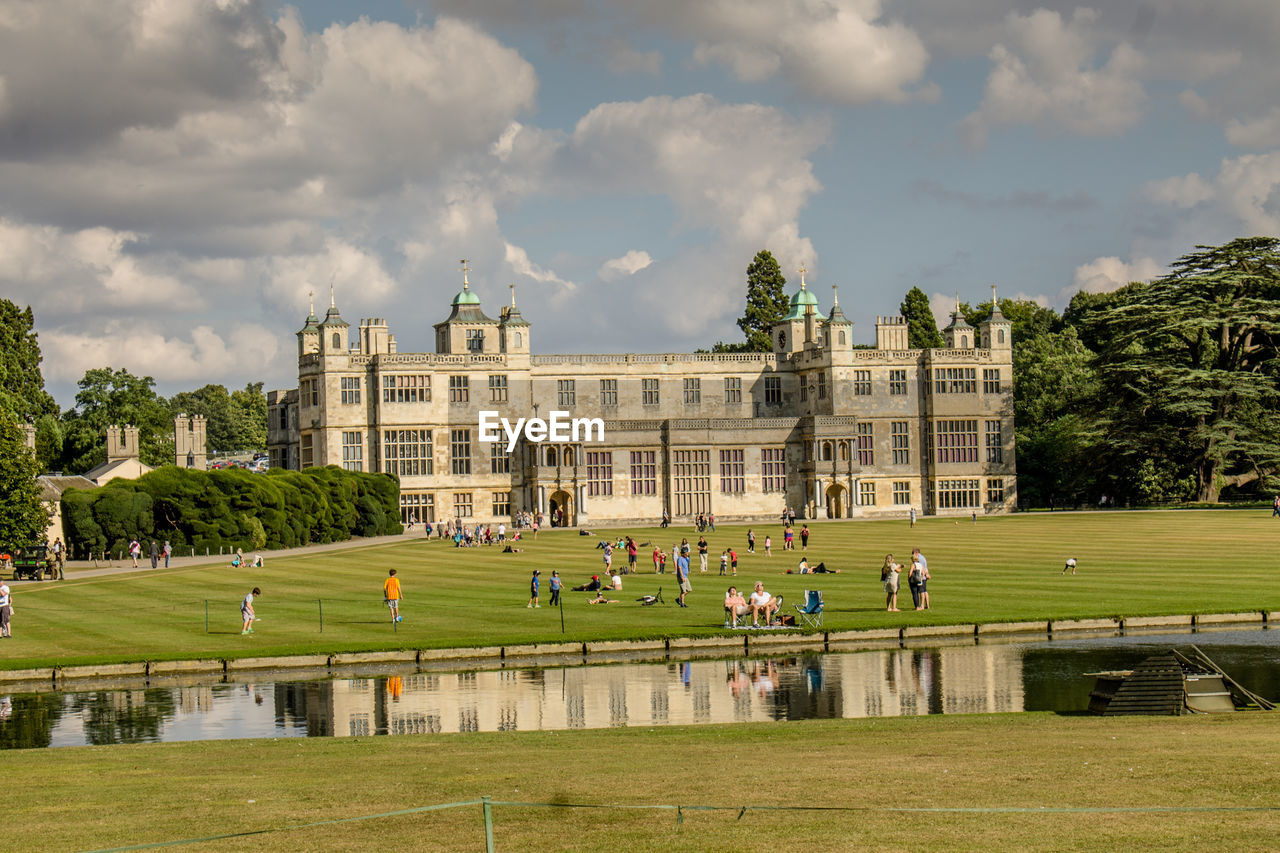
[[799, 302], [465, 297]]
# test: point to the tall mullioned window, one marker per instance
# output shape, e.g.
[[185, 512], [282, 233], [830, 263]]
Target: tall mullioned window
[[897, 382], [501, 504], [417, 507], [566, 392], [462, 504], [773, 390], [900, 440], [862, 382], [499, 459], [406, 388], [733, 478], [599, 473], [822, 386], [475, 340], [956, 441], [733, 389], [649, 392], [991, 380], [350, 386], [406, 452], [644, 472], [958, 494], [773, 470], [305, 450], [995, 445], [498, 388], [901, 493], [608, 392], [460, 451], [955, 380], [459, 389], [866, 444], [995, 491], [692, 392], [353, 451], [866, 493]]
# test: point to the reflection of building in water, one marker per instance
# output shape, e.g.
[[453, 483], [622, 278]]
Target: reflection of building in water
[[195, 699], [891, 683]]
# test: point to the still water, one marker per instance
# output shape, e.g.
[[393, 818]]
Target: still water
[[1042, 676]]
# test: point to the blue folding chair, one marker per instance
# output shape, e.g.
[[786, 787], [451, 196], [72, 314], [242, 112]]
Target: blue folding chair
[[811, 611]]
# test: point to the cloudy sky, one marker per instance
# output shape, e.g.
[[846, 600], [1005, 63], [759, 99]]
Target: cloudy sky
[[177, 175]]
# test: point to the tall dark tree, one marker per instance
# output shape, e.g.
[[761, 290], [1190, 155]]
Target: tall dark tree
[[1191, 364], [249, 410], [109, 397], [214, 403], [766, 304], [22, 394], [922, 328], [23, 518]]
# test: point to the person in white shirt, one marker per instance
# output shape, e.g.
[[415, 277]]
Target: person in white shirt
[[246, 611], [762, 602], [6, 610]]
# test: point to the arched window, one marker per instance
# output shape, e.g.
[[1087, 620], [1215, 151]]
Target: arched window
[[337, 341], [551, 456], [567, 456], [518, 340], [842, 339], [964, 342], [844, 451], [1000, 335], [826, 451]]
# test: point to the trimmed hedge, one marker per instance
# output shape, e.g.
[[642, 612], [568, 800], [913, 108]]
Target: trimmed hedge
[[232, 508]]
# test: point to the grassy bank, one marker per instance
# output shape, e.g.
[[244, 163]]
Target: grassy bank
[[1000, 569], [1209, 771]]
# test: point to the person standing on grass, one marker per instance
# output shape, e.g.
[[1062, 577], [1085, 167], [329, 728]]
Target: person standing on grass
[[246, 611], [788, 538], [751, 541], [608, 558], [555, 589], [533, 591], [702, 553], [632, 551], [391, 594], [135, 551], [913, 516], [155, 554], [6, 610], [168, 552], [711, 521], [1275, 507], [768, 545], [682, 578], [733, 561], [804, 537], [724, 562], [917, 557], [889, 577], [915, 578]]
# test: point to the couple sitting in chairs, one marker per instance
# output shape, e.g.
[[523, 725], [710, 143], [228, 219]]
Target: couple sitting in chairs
[[736, 606]]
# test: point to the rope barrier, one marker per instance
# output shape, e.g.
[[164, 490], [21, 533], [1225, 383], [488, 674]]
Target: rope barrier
[[680, 809]]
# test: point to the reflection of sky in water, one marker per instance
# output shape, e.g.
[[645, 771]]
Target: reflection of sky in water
[[1044, 675]]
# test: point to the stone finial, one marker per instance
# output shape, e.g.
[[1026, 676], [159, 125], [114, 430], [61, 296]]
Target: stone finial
[[466, 285]]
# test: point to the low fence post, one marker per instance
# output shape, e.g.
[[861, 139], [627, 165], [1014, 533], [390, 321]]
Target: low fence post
[[320, 608], [206, 615]]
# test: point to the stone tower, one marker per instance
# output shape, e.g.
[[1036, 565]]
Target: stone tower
[[959, 334], [122, 443], [189, 441], [29, 436]]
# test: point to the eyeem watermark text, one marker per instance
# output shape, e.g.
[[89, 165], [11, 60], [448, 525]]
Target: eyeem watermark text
[[559, 429]]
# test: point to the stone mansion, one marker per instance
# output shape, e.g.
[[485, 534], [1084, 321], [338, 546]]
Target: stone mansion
[[819, 425]]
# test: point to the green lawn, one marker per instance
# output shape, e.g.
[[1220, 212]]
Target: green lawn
[[1000, 569], [1031, 782]]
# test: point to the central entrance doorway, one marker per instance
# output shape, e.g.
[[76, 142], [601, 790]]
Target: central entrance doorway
[[560, 508]]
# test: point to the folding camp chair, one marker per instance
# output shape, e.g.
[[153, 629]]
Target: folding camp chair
[[811, 611], [648, 600]]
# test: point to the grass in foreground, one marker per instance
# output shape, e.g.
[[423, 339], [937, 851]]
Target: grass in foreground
[[96, 797], [1000, 569]]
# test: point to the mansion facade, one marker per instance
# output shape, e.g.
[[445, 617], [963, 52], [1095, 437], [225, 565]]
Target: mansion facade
[[818, 425]]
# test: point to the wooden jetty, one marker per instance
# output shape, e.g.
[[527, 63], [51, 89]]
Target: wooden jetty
[[1171, 683]]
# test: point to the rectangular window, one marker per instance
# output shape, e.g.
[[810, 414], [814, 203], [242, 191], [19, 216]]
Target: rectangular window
[[956, 441], [461, 504], [733, 474], [350, 390], [566, 395], [406, 452], [958, 494], [410, 388], [822, 386], [501, 504], [649, 392], [284, 417], [773, 471], [991, 380], [897, 381], [691, 481], [644, 473], [460, 450], [475, 340], [459, 389], [995, 446], [353, 451], [900, 436], [902, 493], [499, 459], [804, 390], [608, 392], [692, 392], [733, 389], [955, 380], [773, 390], [866, 493], [995, 491], [417, 508], [599, 473], [497, 389], [862, 382], [866, 444], [305, 446], [308, 393]]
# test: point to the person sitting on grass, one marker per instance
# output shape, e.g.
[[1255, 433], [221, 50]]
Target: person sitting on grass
[[592, 585], [762, 602], [734, 606], [600, 599]]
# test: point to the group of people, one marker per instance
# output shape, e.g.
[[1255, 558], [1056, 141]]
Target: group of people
[[917, 581], [760, 603], [156, 552], [472, 537]]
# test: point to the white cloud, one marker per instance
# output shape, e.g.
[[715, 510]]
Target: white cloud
[[1259, 132], [356, 274], [143, 350], [629, 264], [518, 260], [1184, 191], [1103, 275], [1243, 197], [1044, 74], [624, 59]]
